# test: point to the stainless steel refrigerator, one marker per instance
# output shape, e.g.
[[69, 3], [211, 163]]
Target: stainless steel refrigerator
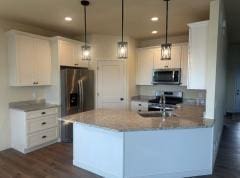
[[77, 95]]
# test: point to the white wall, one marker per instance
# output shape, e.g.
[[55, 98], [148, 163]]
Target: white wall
[[216, 70], [10, 94]]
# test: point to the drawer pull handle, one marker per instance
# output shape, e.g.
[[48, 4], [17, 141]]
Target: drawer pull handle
[[139, 104], [43, 113], [44, 123], [44, 136]]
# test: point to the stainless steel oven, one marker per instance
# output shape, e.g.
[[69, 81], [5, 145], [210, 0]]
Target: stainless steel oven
[[166, 76]]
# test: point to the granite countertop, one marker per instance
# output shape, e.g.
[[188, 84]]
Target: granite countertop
[[32, 105], [125, 121], [142, 98]]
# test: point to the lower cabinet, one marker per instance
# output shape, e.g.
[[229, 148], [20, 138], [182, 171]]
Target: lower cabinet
[[33, 130], [139, 106]]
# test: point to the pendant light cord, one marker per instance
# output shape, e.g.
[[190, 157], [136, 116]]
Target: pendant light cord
[[85, 24], [122, 18], [166, 21]]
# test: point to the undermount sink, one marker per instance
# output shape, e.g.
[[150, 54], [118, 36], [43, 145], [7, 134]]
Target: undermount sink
[[157, 114]]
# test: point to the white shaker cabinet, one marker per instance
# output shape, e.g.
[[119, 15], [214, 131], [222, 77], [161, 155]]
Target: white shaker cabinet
[[198, 36], [34, 129], [145, 58], [174, 62], [139, 106], [184, 64], [29, 59], [70, 53]]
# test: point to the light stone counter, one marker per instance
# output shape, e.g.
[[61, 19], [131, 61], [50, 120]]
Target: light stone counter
[[124, 121], [32, 105]]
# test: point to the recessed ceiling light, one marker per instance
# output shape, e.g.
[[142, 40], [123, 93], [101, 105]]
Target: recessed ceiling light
[[154, 19], [154, 32], [68, 19]]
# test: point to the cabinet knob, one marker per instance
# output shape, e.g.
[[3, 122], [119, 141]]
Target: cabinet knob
[[76, 64], [43, 113], [44, 123], [139, 104], [44, 136], [121, 99], [166, 66]]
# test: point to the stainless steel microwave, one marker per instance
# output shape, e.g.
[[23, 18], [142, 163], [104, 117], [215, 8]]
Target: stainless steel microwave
[[166, 76]]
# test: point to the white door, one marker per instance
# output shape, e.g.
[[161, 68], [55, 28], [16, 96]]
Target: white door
[[111, 84], [25, 60], [43, 62]]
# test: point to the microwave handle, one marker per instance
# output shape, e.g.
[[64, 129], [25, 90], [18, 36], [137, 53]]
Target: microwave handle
[[173, 74]]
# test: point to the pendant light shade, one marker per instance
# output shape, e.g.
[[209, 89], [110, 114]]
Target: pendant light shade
[[86, 49], [122, 51], [166, 47]]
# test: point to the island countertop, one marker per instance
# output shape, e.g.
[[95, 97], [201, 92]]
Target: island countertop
[[124, 121]]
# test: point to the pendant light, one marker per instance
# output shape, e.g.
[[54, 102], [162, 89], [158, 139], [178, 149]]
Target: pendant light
[[122, 45], [166, 47], [86, 55]]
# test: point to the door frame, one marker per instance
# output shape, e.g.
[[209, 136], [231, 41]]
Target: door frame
[[125, 81]]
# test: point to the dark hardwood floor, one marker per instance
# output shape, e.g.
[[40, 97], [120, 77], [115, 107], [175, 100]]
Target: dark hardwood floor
[[55, 161], [228, 159]]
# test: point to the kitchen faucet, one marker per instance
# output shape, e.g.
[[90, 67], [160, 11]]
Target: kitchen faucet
[[162, 102]]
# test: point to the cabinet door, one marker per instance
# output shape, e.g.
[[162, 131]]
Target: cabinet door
[[197, 55], [175, 57], [43, 62], [184, 65], [66, 53], [25, 60], [145, 59], [158, 62], [78, 56]]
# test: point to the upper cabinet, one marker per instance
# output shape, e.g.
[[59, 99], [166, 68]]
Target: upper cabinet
[[173, 63], [149, 59], [198, 36], [145, 61], [70, 53], [29, 59]]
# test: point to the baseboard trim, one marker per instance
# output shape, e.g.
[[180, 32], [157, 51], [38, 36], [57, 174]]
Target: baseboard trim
[[168, 175]]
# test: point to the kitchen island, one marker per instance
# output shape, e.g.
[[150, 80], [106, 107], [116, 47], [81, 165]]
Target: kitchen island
[[124, 144]]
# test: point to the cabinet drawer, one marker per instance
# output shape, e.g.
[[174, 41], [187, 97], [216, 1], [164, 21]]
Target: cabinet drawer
[[139, 106], [41, 113], [42, 137], [38, 124]]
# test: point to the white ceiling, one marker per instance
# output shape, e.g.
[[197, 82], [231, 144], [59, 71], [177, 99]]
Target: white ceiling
[[104, 15]]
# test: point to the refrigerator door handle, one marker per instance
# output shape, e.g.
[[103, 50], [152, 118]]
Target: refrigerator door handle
[[80, 93]]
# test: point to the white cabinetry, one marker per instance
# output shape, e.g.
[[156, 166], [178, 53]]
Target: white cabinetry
[[145, 59], [139, 106], [198, 36], [150, 58], [173, 63], [70, 53], [29, 59], [33, 130]]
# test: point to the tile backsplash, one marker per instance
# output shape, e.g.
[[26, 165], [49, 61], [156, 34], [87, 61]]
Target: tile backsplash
[[187, 94]]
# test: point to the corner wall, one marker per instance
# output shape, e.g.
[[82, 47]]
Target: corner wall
[[216, 70]]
